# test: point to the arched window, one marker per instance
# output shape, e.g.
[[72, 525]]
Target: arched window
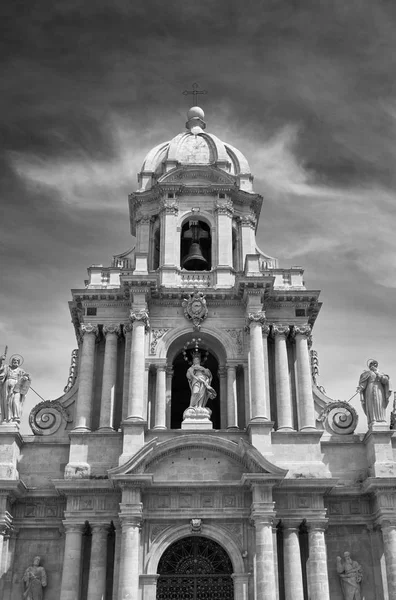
[[196, 246]]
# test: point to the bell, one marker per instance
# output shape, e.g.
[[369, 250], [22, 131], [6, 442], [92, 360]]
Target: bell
[[194, 261]]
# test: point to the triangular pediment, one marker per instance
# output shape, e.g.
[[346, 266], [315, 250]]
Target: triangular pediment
[[198, 176], [197, 457]]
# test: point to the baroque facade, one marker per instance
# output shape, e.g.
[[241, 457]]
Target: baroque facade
[[193, 454]]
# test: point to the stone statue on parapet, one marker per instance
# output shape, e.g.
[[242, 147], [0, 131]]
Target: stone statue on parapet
[[14, 385], [34, 581], [374, 388], [351, 575]]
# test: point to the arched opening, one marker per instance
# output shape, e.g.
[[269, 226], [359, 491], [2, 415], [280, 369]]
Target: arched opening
[[196, 246], [196, 568], [181, 393], [155, 247]]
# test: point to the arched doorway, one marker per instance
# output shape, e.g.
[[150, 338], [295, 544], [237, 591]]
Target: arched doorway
[[195, 568], [181, 393]]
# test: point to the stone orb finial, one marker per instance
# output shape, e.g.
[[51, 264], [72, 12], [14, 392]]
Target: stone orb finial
[[196, 112]]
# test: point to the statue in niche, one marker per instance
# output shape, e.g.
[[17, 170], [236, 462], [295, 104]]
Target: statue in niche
[[374, 388], [199, 379], [350, 574], [14, 385], [34, 581]]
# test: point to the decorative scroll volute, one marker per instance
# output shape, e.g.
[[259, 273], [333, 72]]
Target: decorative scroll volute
[[47, 416]]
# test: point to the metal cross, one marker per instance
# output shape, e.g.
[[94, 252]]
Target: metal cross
[[195, 92]]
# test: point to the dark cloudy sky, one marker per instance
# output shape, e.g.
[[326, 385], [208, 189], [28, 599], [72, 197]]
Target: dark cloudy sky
[[305, 89]]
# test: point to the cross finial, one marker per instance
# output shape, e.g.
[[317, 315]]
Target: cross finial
[[194, 92]]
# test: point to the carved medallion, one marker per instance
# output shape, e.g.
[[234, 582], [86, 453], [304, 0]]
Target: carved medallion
[[195, 309]]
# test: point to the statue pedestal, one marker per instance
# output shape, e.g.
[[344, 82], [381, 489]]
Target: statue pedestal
[[197, 418]]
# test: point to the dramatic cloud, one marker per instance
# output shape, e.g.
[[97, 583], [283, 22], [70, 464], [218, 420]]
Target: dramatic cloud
[[305, 91]]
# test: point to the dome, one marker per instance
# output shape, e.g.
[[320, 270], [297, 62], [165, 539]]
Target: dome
[[194, 147]]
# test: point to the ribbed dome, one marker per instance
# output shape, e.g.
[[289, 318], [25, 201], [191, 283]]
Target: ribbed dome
[[194, 147]]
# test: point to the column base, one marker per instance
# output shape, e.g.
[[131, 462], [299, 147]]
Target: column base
[[159, 427], [285, 430], [105, 430], [233, 428], [81, 429]]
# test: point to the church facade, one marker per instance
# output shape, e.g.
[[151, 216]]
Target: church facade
[[193, 454]]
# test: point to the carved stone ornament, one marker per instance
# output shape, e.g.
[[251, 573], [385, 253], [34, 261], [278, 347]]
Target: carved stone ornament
[[34, 580], [225, 208], [88, 328], [141, 315], [111, 328], [196, 525], [304, 330], [257, 317], [72, 371], [280, 330], [339, 417], [195, 309], [156, 335], [46, 417]]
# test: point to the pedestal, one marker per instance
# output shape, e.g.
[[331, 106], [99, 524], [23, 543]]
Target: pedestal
[[197, 418]]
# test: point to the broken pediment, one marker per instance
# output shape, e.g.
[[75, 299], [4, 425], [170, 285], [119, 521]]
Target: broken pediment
[[197, 458]]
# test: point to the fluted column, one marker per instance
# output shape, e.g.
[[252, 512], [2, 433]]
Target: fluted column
[[169, 376], [136, 405], [257, 373], [292, 563], [283, 393], [128, 586], [318, 582], [160, 398], [98, 563], [389, 538], [223, 396], [265, 573], [111, 333], [85, 384], [232, 408], [306, 411], [70, 587]]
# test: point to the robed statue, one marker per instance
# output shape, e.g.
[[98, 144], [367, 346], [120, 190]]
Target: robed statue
[[14, 385], [34, 581], [350, 574], [374, 388], [199, 379]]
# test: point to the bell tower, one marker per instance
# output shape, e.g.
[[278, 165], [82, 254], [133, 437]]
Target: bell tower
[[195, 211]]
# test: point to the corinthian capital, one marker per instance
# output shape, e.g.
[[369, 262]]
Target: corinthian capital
[[88, 328], [257, 317], [111, 328], [279, 329], [141, 315], [304, 330], [224, 208]]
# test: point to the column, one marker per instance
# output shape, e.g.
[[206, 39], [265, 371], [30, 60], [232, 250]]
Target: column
[[127, 368], [98, 563], [283, 394], [128, 586], [169, 376], [306, 412], [241, 585], [389, 538], [70, 587], [266, 330], [111, 333], [149, 586], [265, 573], [246, 382], [318, 582], [160, 398], [224, 211], [117, 556], [292, 563], [257, 374], [136, 402], [223, 396], [232, 409], [147, 394], [275, 547], [85, 384]]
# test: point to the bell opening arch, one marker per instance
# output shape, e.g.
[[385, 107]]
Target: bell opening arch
[[196, 244]]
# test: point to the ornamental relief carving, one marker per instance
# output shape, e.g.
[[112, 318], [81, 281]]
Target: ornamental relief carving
[[156, 335], [237, 336]]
